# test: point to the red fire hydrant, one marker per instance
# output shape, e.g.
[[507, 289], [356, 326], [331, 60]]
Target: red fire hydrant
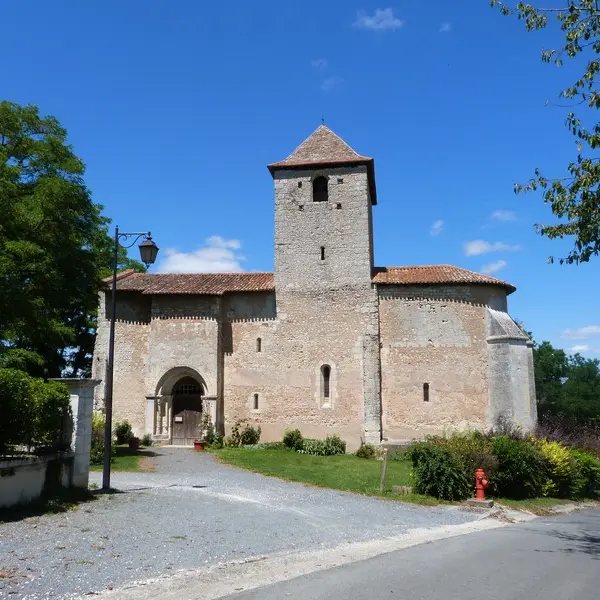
[[480, 484]]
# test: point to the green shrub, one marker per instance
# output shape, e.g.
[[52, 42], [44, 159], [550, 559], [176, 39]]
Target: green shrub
[[243, 434], [366, 451], [218, 441], [292, 439], [52, 408], [474, 450], [97, 448], [561, 469], [146, 440], [17, 407], [586, 480], [123, 432], [522, 469], [311, 446], [330, 446], [438, 472]]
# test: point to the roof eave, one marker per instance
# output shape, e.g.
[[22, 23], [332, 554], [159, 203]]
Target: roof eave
[[502, 284]]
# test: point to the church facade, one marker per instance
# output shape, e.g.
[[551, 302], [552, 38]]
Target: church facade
[[328, 342]]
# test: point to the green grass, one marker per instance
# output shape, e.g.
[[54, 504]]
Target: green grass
[[341, 472], [128, 460]]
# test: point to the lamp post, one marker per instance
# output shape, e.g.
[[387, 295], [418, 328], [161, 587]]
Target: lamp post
[[148, 253]]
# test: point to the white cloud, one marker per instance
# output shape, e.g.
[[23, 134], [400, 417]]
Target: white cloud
[[504, 215], [582, 333], [477, 247], [331, 83], [494, 267], [437, 227], [382, 19], [319, 63], [580, 348], [218, 255], [445, 27]]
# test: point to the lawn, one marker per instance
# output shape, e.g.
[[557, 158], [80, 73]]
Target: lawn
[[341, 472], [125, 459]]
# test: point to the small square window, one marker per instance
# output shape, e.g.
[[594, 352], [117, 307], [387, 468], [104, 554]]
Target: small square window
[[338, 205], [301, 207], [299, 184], [340, 180]]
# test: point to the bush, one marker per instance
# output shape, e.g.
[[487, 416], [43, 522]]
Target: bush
[[52, 408], [17, 409], [561, 469], [146, 440], [522, 469], [572, 435], [367, 451], [243, 434], [123, 432], [473, 449], [217, 441], [330, 446], [438, 472], [586, 480], [292, 439], [97, 448]]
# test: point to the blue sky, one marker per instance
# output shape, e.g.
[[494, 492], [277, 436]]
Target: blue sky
[[177, 107]]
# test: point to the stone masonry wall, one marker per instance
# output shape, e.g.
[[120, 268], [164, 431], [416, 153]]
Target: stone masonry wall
[[434, 335], [131, 349]]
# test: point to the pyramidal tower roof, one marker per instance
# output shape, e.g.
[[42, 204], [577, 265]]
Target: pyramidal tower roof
[[325, 148]]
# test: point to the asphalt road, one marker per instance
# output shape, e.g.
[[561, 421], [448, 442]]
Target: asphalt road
[[555, 558]]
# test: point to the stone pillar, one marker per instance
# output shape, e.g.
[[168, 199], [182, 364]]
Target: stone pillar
[[210, 405], [82, 406], [151, 415]]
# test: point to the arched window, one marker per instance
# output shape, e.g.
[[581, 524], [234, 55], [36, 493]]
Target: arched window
[[258, 344], [187, 386], [255, 401], [425, 392], [320, 192], [325, 381]]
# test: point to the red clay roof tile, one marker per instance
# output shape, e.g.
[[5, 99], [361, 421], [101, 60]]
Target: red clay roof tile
[[432, 274], [223, 283]]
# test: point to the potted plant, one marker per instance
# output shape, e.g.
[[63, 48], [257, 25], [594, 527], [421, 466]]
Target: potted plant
[[134, 443]]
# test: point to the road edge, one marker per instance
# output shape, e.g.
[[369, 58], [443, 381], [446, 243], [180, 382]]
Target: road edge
[[217, 581]]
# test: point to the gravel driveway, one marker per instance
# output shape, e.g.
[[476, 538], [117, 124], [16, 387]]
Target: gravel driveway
[[191, 512]]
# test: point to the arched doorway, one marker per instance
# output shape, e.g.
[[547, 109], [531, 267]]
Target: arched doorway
[[187, 411]]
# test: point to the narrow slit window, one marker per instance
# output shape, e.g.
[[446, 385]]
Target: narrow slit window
[[258, 344], [425, 392], [255, 401], [325, 381], [322, 252]]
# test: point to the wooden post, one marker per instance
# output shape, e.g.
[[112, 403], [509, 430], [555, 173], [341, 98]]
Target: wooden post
[[383, 470]]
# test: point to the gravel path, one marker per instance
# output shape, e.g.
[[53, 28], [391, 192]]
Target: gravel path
[[191, 512]]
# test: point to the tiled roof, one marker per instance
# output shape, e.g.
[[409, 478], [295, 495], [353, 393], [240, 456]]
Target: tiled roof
[[323, 147], [432, 274], [195, 283], [222, 283]]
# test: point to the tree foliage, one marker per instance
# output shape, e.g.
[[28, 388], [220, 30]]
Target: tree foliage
[[573, 198], [54, 248], [566, 386]]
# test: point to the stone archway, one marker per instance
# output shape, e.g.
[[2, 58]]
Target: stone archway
[[176, 406], [187, 411]]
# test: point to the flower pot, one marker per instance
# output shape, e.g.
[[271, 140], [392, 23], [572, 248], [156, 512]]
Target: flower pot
[[199, 445], [134, 443]]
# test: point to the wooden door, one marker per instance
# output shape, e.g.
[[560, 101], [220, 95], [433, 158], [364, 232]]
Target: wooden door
[[187, 417]]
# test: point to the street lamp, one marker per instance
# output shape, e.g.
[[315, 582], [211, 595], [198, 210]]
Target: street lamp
[[148, 253]]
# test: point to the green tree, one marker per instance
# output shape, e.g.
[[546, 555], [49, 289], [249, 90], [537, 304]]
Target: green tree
[[573, 197], [550, 367], [54, 248]]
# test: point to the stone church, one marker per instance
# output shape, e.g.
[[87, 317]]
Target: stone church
[[328, 342]]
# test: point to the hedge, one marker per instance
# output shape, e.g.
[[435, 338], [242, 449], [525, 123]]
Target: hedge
[[32, 412]]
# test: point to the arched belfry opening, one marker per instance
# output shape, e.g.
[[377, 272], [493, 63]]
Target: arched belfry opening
[[187, 411], [320, 189]]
